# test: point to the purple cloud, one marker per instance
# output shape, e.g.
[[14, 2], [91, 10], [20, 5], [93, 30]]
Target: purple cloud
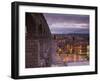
[[66, 21]]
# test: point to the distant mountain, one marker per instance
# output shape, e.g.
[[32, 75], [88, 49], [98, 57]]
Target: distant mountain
[[75, 36], [86, 35]]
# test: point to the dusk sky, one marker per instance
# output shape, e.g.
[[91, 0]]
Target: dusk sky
[[67, 23]]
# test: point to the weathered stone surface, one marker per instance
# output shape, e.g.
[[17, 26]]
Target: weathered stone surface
[[38, 41]]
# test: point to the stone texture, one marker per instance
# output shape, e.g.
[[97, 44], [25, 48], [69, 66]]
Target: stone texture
[[37, 41]]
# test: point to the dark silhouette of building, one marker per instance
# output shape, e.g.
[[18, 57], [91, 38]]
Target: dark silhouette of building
[[37, 41]]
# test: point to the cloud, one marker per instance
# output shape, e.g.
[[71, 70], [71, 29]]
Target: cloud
[[59, 22], [69, 25]]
